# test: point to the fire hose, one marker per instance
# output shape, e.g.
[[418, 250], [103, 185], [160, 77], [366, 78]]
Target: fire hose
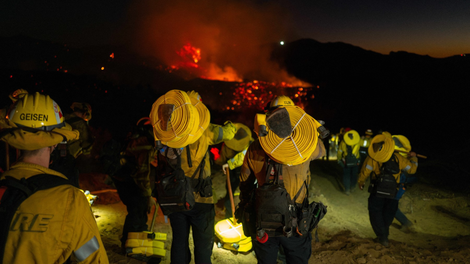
[[174, 119], [298, 146]]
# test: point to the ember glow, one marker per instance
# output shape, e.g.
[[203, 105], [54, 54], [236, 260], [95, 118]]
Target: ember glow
[[257, 94]]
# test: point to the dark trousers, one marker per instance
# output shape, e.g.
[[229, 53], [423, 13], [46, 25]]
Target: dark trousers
[[201, 219], [130, 195], [234, 182], [381, 214], [401, 217], [297, 249], [350, 177]]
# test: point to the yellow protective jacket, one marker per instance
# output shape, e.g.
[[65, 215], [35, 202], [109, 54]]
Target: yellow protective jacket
[[370, 165], [233, 158], [53, 224], [343, 150], [214, 134], [254, 168]]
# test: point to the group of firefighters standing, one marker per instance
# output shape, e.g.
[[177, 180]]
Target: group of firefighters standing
[[54, 222]]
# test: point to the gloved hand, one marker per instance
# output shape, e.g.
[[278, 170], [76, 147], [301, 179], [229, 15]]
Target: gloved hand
[[225, 168], [411, 154]]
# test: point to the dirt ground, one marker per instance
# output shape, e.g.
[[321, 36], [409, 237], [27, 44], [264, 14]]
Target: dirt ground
[[440, 234]]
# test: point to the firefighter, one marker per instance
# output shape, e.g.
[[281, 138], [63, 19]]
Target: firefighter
[[349, 159], [133, 173], [79, 119], [403, 147], [364, 144], [56, 223], [64, 159], [231, 158], [182, 125], [280, 156], [384, 166]]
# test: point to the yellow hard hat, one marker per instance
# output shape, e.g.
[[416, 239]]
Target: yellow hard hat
[[290, 146], [204, 114], [351, 137], [38, 122], [37, 111], [17, 94], [84, 108], [369, 132], [242, 138], [402, 144], [281, 100], [175, 120], [381, 147]]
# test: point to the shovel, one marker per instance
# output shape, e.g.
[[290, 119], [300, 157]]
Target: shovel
[[232, 203]]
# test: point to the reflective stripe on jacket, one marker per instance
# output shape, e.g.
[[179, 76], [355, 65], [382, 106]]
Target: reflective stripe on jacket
[[52, 224]]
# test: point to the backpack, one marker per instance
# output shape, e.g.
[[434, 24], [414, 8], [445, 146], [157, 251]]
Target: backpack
[[273, 213], [351, 159], [270, 210], [174, 191], [13, 192], [385, 185]]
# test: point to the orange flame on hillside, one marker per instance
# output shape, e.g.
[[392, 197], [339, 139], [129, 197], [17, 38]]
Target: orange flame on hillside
[[190, 53]]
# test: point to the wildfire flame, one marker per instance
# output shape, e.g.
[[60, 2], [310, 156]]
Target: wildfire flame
[[190, 53]]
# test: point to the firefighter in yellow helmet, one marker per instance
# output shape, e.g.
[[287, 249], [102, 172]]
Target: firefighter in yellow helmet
[[276, 171], [56, 222], [349, 158], [384, 166], [231, 158], [183, 186]]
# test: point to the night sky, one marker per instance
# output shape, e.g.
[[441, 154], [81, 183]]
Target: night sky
[[435, 28]]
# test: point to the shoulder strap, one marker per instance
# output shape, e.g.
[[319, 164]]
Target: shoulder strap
[[298, 193], [270, 165], [11, 199]]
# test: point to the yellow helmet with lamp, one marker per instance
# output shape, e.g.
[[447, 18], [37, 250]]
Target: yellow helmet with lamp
[[36, 121], [281, 100]]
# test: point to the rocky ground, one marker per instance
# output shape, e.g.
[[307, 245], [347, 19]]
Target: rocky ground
[[440, 234]]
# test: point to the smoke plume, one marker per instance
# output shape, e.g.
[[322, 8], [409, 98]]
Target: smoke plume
[[235, 37]]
